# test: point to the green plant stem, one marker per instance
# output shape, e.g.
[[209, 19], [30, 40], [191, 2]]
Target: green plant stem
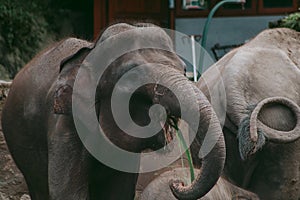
[[187, 152]]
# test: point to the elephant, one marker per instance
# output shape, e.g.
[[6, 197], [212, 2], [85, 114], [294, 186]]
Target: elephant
[[223, 190], [261, 111], [40, 114]]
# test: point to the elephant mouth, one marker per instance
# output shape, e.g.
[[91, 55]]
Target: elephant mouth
[[163, 139], [169, 129]]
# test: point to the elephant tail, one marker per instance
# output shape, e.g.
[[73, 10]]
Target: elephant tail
[[253, 132]]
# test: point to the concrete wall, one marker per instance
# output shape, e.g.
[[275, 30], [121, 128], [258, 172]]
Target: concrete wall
[[225, 30]]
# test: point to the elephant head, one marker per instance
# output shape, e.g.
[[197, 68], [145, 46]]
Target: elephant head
[[68, 101], [166, 85], [223, 190], [261, 81]]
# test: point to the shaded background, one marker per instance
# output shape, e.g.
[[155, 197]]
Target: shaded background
[[27, 26]]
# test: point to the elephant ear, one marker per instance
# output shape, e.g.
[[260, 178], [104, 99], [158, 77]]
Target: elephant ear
[[63, 100], [63, 88]]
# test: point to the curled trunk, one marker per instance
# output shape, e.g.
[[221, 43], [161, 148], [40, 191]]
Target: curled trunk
[[223, 190], [208, 132], [272, 134], [253, 131], [213, 159]]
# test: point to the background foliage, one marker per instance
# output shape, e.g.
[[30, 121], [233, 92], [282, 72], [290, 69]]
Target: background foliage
[[27, 26], [291, 21]]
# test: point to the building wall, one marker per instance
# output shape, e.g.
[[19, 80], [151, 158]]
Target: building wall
[[225, 30]]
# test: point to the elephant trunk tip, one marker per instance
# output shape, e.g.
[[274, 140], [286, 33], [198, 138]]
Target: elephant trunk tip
[[176, 184], [177, 187]]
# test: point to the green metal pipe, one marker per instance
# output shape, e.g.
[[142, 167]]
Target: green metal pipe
[[207, 23]]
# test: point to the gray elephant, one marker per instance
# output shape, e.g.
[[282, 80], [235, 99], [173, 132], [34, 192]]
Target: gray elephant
[[40, 113], [261, 82], [223, 190]]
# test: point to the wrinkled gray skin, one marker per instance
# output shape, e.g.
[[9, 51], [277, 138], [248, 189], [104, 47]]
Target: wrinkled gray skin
[[223, 190], [39, 129], [258, 77]]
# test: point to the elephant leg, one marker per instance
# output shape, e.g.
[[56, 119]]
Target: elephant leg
[[68, 165], [123, 186], [110, 184], [67, 169], [33, 165]]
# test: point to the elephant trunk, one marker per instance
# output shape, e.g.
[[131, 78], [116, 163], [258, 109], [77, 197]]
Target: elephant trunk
[[253, 132], [208, 132], [272, 134]]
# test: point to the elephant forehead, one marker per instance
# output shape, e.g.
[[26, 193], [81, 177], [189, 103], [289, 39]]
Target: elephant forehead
[[279, 37], [115, 29], [263, 72], [283, 39], [150, 57], [71, 45], [138, 37]]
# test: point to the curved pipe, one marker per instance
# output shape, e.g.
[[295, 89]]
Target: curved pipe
[[207, 23], [272, 134]]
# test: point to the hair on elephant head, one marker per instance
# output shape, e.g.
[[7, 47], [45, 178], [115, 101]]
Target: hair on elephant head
[[71, 88]]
